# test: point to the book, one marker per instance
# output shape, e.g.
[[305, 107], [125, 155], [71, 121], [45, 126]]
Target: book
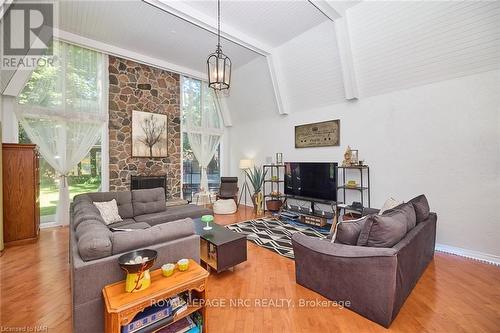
[[183, 325], [148, 317]]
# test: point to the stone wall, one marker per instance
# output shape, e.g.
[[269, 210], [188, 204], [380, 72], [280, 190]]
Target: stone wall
[[134, 86]]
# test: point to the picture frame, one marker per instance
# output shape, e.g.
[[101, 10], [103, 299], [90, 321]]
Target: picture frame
[[355, 156], [279, 158], [149, 134], [322, 134]]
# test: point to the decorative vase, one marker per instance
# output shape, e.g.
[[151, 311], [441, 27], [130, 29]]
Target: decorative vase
[[257, 199], [273, 205]]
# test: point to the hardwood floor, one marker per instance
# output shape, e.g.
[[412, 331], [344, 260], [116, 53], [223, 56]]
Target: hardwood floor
[[453, 295]]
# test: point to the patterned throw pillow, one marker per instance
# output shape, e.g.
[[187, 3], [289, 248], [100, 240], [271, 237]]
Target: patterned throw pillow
[[109, 211]]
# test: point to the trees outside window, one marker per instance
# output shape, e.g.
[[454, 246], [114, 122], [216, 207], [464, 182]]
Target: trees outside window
[[200, 116]]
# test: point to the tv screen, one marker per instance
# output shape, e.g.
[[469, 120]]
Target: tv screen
[[311, 180]]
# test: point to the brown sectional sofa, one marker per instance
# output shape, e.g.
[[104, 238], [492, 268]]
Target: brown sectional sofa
[[375, 280], [94, 248]]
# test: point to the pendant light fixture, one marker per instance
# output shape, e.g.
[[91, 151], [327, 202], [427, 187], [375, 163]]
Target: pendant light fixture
[[219, 64]]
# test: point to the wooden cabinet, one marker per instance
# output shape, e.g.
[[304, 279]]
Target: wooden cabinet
[[21, 193]]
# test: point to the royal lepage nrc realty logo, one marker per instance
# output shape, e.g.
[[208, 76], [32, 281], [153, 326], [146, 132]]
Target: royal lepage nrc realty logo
[[27, 31]]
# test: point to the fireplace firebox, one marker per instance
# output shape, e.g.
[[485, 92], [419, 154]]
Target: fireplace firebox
[[144, 182]]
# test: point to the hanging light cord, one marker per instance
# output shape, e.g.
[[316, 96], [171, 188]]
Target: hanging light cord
[[218, 26]]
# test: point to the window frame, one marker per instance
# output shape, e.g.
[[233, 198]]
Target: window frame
[[203, 88]]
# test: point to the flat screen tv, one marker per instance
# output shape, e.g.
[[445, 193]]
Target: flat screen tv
[[311, 180]]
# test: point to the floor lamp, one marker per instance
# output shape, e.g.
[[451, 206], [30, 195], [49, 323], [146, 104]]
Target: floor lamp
[[245, 165]]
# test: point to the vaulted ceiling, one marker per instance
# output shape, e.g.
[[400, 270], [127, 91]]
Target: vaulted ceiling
[[142, 27]]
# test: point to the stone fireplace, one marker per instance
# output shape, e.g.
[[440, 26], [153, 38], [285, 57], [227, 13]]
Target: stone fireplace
[[134, 86]]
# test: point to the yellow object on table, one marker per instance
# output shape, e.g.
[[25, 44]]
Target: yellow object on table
[[183, 265], [137, 281], [167, 269]]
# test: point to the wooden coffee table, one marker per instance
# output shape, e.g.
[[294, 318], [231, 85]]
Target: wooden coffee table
[[220, 248], [121, 307]]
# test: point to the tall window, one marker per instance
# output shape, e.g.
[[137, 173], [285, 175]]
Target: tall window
[[202, 130], [63, 110]]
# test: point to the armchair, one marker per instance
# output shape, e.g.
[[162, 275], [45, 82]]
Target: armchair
[[228, 188]]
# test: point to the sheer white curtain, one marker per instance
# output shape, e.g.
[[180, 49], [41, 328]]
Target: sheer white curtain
[[204, 128], [63, 109]]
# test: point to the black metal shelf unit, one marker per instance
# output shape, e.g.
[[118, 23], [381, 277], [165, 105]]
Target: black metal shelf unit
[[273, 170], [362, 188]]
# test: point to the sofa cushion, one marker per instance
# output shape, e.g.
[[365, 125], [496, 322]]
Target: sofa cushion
[[130, 226], [85, 211], [149, 201], [123, 200], [408, 210], [383, 230], [174, 213], [95, 244], [81, 198], [131, 240], [123, 223], [421, 206], [89, 226], [348, 231], [83, 205]]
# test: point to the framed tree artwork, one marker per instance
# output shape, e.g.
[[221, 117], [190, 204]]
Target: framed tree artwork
[[149, 134]]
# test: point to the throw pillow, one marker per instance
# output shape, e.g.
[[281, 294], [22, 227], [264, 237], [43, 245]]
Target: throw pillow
[[389, 204], [421, 206], [410, 217], [109, 211], [383, 230], [348, 231]]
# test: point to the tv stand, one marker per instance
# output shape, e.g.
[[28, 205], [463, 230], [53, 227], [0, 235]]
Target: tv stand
[[310, 216]]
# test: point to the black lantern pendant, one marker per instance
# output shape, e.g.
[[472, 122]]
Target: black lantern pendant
[[219, 64]]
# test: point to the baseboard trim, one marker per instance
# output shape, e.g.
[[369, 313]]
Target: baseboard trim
[[46, 225], [475, 255]]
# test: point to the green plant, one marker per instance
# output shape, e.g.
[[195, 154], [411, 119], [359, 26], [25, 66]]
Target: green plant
[[256, 178]]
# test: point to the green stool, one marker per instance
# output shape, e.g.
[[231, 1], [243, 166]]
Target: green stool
[[207, 219]]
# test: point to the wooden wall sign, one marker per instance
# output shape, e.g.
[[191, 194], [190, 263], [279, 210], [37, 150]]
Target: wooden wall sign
[[324, 134]]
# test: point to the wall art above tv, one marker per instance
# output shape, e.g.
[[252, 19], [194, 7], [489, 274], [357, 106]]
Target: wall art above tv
[[323, 134]]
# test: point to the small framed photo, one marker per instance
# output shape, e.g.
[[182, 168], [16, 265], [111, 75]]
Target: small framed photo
[[355, 157], [279, 158]]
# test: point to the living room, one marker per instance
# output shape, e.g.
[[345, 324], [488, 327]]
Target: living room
[[250, 166]]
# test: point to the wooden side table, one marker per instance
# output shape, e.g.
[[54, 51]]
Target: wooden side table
[[121, 307]]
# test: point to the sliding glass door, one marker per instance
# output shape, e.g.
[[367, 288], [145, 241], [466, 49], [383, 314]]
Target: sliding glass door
[[84, 178]]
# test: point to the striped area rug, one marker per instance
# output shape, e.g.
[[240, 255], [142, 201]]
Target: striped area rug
[[276, 235]]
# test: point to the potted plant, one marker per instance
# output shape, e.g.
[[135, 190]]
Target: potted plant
[[274, 204], [256, 178]]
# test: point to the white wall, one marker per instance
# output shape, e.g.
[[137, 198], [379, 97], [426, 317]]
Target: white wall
[[10, 129], [428, 120], [441, 139]]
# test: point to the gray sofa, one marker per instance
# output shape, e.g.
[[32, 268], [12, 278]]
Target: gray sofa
[[375, 279], [94, 248]]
